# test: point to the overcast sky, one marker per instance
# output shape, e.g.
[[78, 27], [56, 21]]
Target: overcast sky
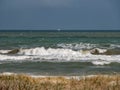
[[63, 14]]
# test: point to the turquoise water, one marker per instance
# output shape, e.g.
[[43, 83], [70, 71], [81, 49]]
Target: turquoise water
[[60, 53]]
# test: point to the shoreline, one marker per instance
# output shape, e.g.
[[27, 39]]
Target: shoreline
[[47, 76], [57, 76]]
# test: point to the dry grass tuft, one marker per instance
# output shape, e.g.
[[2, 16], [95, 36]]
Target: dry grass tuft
[[24, 82]]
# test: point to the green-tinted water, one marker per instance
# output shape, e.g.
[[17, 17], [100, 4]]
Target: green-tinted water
[[59, 53]]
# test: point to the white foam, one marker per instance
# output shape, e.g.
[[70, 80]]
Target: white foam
[[51, 53], [60, 55], [77, 46], [6, 57], [100, 62], [4, 51], [99, 50], [7, 73], [114, 46]]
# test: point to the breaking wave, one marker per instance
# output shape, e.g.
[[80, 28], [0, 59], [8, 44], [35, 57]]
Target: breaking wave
[[79, 46], [96, 56], [114, 45]]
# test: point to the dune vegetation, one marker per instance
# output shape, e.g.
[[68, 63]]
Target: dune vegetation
[[25, 82]]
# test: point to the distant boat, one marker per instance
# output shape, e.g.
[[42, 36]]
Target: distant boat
[[58, 29]]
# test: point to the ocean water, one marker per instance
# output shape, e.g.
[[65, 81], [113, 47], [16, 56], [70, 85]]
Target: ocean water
[[66, 53]]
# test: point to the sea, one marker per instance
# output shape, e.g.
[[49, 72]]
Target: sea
[[60, 53]]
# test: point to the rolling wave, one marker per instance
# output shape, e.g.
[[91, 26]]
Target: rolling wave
[[79, 46], [76, 46], [96, 56]]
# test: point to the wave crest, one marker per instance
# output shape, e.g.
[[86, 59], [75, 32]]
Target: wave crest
[[79, 46], [51, 51], [61, 55]]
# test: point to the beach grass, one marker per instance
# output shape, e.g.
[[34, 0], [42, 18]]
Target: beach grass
[[26, 82]]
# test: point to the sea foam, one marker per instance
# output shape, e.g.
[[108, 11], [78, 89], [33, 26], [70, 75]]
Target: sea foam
[[60, 55]]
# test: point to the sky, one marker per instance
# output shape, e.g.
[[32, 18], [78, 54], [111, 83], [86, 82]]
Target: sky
[[60, 14]]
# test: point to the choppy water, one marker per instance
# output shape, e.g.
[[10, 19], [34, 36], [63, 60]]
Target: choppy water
[[59, 53]]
